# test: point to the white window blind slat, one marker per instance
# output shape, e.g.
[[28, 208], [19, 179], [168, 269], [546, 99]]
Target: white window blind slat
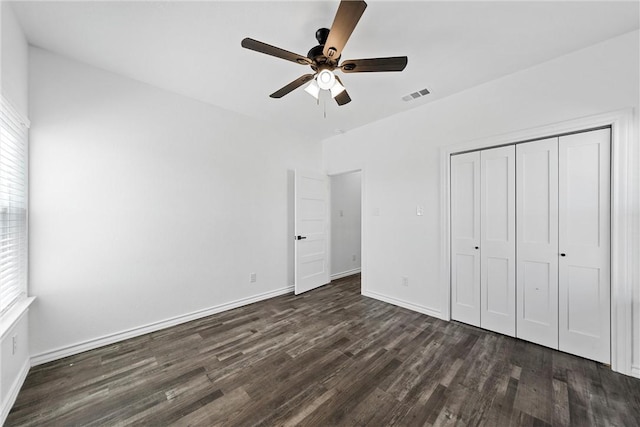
[[13, 206], [12, 143], [8, 267], [9, 170]]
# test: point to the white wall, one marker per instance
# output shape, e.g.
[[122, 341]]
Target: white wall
[[400, 159], [148, 206], [345, 224], [13, 79]]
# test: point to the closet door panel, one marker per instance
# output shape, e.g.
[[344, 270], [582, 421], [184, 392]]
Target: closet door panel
[[537, 241], [584, 239], [465, 237], [497, 246]]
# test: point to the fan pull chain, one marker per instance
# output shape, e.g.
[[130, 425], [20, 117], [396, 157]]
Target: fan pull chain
[[324, 103]]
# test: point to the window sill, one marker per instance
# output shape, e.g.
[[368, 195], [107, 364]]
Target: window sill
[[11, 317]]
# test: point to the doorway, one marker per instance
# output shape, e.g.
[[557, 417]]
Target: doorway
[[346, 224]]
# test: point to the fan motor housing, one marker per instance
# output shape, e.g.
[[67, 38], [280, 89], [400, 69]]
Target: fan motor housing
[[316, 54]]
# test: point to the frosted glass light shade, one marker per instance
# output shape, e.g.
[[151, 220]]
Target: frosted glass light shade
[[336, 89], [326, 79], [313, 89]]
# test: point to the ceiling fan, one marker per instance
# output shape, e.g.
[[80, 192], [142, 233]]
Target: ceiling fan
[[324, 58]]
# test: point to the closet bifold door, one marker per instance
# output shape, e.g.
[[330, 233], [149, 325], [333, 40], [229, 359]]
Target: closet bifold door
[[465, 238], [584, 242], [537, 242], [498, 240]]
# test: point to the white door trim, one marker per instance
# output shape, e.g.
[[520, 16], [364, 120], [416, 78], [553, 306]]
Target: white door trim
[[625, 230]]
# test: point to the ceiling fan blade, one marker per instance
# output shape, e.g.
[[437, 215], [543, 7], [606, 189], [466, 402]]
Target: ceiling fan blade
[[261, 47], [395, 63], [343, 97], [292, 86], [347, 17]]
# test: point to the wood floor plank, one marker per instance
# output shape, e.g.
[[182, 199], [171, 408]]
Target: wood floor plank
[[209, 414], [327, 357], [375, 404]]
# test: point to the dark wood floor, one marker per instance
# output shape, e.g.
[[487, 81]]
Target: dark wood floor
[[327, 357]]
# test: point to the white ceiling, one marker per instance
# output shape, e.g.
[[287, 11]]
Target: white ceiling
[[193, 48]]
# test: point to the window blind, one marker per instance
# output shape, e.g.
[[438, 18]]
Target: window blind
[[13, 206]]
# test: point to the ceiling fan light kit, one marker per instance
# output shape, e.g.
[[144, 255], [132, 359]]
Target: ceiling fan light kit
[[324, 58], [326, 79], [313, 89], [336, 89]]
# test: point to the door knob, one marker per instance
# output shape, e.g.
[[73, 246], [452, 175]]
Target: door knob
[[477, 247], [563, 254], [300, 237]]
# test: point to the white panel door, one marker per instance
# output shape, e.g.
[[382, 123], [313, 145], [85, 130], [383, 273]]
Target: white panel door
[[537, 241], [584, 218], [498, 240], [465, 238], [312, 231]]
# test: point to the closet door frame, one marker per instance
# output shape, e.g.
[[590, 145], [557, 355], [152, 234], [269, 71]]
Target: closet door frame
[[625, 242]]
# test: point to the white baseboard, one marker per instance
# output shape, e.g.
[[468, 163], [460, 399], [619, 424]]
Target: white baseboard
[[12, 395], [635, 371], [345, 274], [152, 327], [404, 304]]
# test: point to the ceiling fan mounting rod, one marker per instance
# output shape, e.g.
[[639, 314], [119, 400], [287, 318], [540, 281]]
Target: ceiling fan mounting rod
[[321, 35]]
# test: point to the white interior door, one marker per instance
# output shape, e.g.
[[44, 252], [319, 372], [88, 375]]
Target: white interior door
[[537, 241], [584, 218], [465, 238], [498, 240], [312, 231]]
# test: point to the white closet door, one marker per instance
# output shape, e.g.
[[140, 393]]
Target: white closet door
[[537, 241], [584, 218], [498, 240], [465, 238]]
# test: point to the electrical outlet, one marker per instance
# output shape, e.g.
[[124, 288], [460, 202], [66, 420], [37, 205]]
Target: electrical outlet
[[405, 281], [353, 257], [14, 341], [253, 277]]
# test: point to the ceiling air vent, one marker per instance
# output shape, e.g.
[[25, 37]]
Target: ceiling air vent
[[415, 95]]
